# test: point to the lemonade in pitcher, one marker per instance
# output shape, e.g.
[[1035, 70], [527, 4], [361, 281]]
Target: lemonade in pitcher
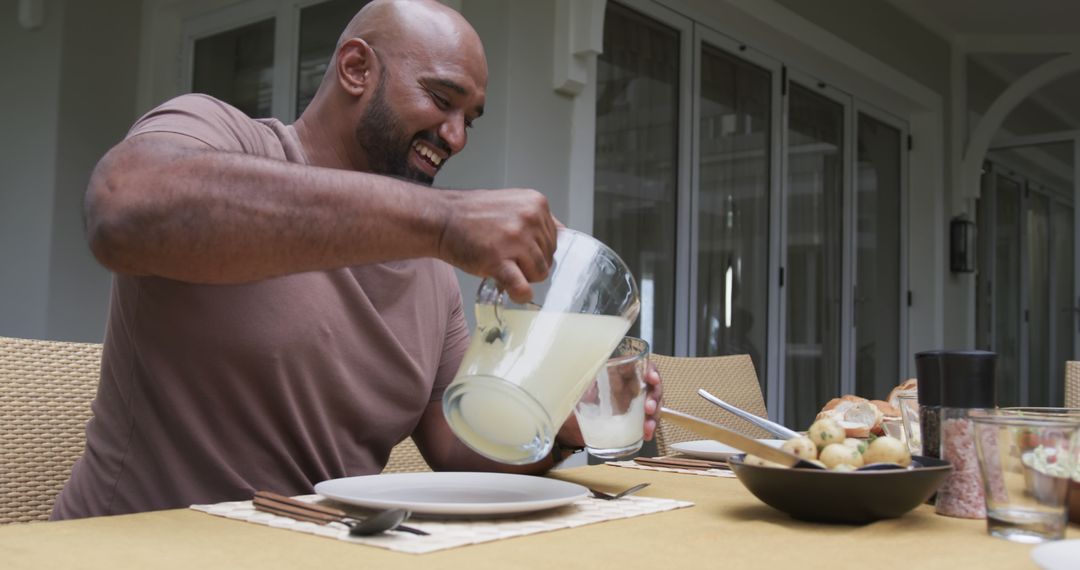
[[527, 365]]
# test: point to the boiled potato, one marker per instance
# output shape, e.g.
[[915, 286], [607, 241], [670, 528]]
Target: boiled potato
[[839, 454], [755, 460], [888, 449], [801, 446], [856, 444], [844, 468], [826, 431]]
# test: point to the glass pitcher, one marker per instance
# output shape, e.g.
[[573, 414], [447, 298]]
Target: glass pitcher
[[528, 364]]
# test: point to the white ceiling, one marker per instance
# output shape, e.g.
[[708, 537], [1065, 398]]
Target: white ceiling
[[995, 17], [965, 20], [975, 21]]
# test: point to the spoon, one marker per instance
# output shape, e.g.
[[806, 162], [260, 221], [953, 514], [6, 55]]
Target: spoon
[[381, 522], [774, 428], [621, 494]]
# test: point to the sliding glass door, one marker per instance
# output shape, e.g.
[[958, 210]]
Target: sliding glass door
[[879, 275], [735, 138], [1025, 286], [783, 239], [637, 113], [814, 258]]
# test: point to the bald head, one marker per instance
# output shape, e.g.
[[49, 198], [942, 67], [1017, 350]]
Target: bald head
[[397, 28], [407, 80]]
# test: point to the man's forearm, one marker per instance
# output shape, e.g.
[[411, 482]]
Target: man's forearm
[[211, 217]]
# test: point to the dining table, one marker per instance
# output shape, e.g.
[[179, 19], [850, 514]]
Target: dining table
[[727, 527]]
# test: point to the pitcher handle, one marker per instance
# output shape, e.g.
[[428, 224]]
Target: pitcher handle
[[491, 294]]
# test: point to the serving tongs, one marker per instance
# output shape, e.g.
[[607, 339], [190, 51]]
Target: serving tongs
[[778, 430], [281, 505]]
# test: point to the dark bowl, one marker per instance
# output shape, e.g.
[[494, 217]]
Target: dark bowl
[[856, 497]]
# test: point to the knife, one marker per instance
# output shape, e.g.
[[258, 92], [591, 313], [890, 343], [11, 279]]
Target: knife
[[734, 439]]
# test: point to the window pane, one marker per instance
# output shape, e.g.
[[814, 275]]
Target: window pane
[[877, 242], [814, 253], [984, 300], [636, 159], [1038, 246], [320, 27], [237, 67], [1063, 314], [1006, 291], [733, 213]]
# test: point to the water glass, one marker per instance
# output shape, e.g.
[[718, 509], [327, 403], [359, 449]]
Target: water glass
[[1026, 464], [908, 402], [611, 413]]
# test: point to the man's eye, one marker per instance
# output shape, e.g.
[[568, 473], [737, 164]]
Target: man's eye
[[441, 101]]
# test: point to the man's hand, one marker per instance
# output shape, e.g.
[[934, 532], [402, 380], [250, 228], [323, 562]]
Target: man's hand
[[570, 433], [655, 393], [508, 235]]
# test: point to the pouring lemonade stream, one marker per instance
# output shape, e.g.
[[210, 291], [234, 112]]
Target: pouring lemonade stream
[[527, 365]]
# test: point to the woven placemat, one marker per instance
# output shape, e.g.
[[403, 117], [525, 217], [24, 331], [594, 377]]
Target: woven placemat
[[451, 533], [707, 472]]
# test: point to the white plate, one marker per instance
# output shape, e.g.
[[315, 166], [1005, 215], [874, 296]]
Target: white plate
[[1057, 555], [453, 493], [714, 450]]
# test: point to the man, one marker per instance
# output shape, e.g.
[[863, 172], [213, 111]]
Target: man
[[282, 313]]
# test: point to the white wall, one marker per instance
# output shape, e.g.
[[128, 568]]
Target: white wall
[[523, 138], [68, 94], [95, 108], [29, 91]]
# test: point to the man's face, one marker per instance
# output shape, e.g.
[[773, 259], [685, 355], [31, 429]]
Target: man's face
[[387, 143], [419, 112]]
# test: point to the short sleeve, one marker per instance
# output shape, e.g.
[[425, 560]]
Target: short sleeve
[[212, 122], [455, 344]]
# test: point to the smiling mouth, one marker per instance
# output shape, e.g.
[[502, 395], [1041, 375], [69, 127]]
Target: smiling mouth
[[428, 154]]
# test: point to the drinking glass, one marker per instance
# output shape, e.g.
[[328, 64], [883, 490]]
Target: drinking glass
[[908, 402], [528, 364], [611, 413], [1026, 463]]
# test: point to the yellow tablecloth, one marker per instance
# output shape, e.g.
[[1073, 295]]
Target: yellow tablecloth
[[727, 528]]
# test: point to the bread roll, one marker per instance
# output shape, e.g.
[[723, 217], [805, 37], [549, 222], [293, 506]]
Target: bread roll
[[856, 415], [894, 395]]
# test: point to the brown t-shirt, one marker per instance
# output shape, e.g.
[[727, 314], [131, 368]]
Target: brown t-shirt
[[211, 392]]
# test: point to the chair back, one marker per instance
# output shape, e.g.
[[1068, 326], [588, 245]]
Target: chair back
[[730, 378], [45, 392], [405, 458], [1072, 384]]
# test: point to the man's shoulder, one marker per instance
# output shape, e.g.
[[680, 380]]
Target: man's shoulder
[[212, 121]]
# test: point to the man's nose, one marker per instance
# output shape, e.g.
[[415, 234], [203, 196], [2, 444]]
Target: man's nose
[[454, 133]]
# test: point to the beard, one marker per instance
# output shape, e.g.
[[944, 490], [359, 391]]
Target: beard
[[385, 141]]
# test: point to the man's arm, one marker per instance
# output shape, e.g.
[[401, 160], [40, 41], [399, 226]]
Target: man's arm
[[168, 205]]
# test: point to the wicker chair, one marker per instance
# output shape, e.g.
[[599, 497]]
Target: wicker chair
[[730, 378], [405, 458], [45, 392], [1072, 384]]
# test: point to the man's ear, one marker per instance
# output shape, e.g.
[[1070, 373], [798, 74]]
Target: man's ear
[[355, 60]]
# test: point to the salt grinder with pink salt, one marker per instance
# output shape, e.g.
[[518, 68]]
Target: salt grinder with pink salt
[[967, 387]]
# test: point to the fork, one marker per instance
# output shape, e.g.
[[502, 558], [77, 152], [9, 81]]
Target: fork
[[625, 493], [281, 505]]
